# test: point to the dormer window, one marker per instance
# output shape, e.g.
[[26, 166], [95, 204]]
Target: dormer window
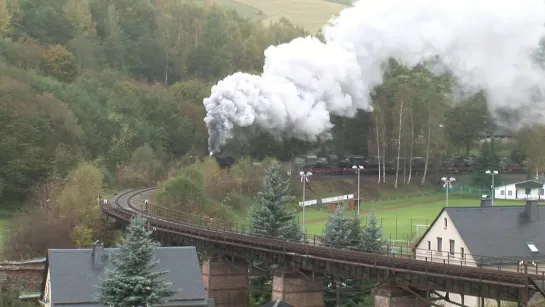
[[532, 247], [446, 223]]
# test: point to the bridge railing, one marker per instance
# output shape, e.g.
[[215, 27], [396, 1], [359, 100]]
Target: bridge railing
[[217, 232], [511, 264]]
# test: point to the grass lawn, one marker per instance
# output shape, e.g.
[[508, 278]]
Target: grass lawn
[[400, 217], [311, 14], [244, 10]]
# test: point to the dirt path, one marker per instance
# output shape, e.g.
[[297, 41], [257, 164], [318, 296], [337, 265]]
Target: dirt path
[[321, 220]]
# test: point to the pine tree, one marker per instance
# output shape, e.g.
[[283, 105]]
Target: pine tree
[[132, 281], [372, 238], [341, 231], [271, 217]]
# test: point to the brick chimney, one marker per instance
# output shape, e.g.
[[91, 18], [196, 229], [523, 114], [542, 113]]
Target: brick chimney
[[486, 201], [98, 254], [532, 210]]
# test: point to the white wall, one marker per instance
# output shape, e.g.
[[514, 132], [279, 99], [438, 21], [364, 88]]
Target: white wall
[[510, 192], [446, 234], [47, 291]]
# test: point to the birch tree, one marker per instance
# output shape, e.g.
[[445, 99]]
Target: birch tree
[[171, 31]]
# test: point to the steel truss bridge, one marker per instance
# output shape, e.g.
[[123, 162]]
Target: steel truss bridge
[[419, 277]]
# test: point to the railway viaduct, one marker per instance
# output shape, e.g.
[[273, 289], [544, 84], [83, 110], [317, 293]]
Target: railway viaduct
[[400, 282]]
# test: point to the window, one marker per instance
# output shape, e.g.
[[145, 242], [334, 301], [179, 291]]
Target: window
[[502, 192], [509, 193], [452, 247], [462, 252], [446, 223], [528, 191], [429, 245], [439, 244], [532, 247]]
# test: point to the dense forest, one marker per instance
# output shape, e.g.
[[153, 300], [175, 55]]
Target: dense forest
[[106, 94]]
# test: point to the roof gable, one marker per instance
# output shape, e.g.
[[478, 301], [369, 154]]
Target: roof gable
[[417, 243], [537, 183], [499, 231], [74, 278], [532, 184]]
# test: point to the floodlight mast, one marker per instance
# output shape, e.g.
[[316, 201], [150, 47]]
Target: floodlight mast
[[304, 180], [492, 173], [358, 167], [447, 184]]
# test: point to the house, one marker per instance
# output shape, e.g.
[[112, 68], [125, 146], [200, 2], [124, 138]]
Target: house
[[520, 190], [485, 236], [74, 275]]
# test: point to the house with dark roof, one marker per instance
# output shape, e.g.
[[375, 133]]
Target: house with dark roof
[[520, 190], [73, 276], [485, 236]]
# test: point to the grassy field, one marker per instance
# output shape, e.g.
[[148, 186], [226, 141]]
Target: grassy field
[[400, 217], [311, 14], [245, 10]]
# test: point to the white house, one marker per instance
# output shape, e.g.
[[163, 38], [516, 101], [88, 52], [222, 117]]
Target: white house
[[484, 236], [529, 189]]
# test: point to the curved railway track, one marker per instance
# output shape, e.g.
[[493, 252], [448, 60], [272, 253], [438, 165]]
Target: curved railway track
[[123, 207]]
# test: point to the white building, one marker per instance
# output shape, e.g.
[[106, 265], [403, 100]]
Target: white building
[[488, 237], [529, 189]]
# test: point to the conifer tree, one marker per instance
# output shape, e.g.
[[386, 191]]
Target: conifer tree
[[372, 237], [341, 231], [271, 217], [132, 281]]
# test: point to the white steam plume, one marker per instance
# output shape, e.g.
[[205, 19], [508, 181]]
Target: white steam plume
[[485, 44]]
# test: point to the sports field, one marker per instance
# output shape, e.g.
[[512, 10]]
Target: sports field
[[400, 217]]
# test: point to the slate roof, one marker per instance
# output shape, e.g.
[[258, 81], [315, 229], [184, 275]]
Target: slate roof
[[499, 231], [277, 303], [75, 279]]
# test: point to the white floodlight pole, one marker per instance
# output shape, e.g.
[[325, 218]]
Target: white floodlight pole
[[447, 182], [492, 173], [304, 180], [358, 167]]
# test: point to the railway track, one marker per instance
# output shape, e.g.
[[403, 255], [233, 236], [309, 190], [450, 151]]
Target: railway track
[[124, 207]]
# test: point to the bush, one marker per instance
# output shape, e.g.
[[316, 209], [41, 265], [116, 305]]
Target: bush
[[60, 215]]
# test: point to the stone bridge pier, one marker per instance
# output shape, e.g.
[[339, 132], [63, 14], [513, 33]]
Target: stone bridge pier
[[227, 281], [390, 295], [298, 289]]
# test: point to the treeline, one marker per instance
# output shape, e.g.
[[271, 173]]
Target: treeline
[[109, 81], [98, 79], [119, 84]]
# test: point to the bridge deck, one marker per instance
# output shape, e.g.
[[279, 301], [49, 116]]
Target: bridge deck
[[505, 285]]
